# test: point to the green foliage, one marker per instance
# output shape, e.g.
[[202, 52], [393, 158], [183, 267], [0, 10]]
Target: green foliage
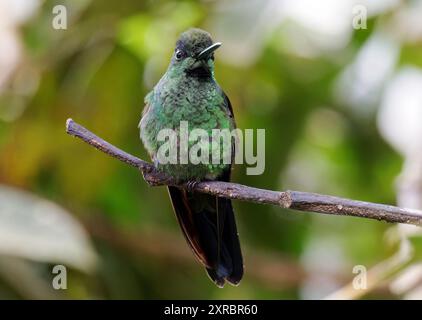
[[98, 72]]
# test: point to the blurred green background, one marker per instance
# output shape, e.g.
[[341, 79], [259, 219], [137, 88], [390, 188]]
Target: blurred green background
[[342, 113]]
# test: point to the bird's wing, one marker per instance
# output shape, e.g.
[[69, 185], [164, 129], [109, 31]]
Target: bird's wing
[[147, 103], [229, 107]]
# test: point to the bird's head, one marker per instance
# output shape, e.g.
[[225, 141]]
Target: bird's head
[[194, 53]]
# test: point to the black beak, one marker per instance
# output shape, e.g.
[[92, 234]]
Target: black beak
[[204, 54]]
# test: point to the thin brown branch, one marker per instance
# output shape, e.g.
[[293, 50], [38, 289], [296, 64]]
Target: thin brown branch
[[296, 200]]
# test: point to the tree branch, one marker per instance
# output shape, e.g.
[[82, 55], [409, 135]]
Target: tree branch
[[296, 200]]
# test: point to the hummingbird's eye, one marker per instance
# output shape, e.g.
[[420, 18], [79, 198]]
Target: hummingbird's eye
[[179, 54]]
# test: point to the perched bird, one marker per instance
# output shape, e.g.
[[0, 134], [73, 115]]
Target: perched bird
[[189, 92]]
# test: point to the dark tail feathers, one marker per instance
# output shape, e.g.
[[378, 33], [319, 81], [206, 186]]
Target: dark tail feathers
[[209, 227]]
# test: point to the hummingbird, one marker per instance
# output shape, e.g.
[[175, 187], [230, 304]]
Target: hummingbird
[[188, 91]]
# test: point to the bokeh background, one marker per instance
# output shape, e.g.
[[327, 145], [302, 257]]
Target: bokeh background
[[342, 109]]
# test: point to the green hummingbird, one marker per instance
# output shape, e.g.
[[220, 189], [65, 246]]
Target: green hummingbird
[[188, 91]]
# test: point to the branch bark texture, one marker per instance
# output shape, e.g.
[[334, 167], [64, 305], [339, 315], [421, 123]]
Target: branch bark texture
[[296, 200]]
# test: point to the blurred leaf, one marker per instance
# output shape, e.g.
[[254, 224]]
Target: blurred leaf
[[39, 230]]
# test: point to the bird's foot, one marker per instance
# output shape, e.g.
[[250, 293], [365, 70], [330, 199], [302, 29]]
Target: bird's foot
[[191, 185], [154, 178]]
